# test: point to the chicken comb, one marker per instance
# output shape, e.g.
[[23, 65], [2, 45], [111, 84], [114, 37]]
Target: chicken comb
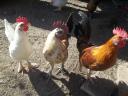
[[22, 19], [120, 32], [25, 21], [60, 24]]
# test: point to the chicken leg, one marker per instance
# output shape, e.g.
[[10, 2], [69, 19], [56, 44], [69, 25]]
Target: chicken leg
[[20, 68], [62, 69], [50, 72], [80, 70], [30, 66], [89, 73], [89, 78]]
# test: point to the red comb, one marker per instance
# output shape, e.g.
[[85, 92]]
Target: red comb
[[120, 32], [60, 24], [22, 19]]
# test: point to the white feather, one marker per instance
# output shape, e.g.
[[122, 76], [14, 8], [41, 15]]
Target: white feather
[[9, 31], [50, 43], [20, 47], [54, 51]]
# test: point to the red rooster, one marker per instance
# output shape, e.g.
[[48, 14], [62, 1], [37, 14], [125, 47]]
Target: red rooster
[[98, 58]]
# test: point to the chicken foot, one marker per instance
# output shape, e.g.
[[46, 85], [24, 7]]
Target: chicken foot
[[21, 68], [89, 78], [50, 72], [61, 69], [89, 73], [80, 70], [30, 66]]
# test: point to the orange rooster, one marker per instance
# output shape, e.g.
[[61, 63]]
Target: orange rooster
[[98, 58]]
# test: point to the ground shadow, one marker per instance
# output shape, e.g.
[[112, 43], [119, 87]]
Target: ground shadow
[[123, 89], [100, 86], [39, 82], [73, 84]]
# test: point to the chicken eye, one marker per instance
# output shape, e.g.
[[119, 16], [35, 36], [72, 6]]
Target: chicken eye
[[120, 38], [59, 33]]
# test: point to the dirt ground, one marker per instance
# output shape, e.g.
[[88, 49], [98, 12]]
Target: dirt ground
[[41, 16]]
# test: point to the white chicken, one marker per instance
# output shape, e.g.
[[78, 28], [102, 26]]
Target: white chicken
[[59, 3], [20, 47], [55, 49]]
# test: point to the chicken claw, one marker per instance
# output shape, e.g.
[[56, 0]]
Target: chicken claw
[[61, 69], [93, 78], [31, 66]]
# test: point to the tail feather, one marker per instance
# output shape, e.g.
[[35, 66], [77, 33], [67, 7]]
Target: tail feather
[[69, 23], [83, 15], [82, 31], [92, 4], [9, 31], [83, 27]]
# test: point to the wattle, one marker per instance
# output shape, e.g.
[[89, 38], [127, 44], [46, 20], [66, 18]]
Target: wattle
[[25, 28], [122, 44]]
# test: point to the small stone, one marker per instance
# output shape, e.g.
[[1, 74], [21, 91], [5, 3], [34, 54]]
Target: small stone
[[2, 81]]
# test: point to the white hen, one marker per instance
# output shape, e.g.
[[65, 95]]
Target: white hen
[[55, 49], [20, 47]]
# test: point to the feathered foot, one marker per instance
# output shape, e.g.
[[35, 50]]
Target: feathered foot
[[31, 66]]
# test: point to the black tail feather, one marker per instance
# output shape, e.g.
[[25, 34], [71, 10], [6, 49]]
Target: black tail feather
[[70, 23], [83, 28]]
